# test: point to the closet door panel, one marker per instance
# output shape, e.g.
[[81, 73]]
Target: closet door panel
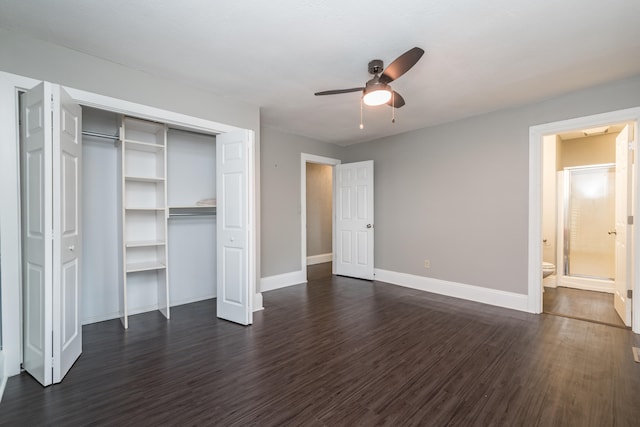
[[234, 284], [36, 170], [67, 344]]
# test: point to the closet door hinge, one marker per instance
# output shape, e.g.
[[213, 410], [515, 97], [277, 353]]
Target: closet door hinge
[[630, 293], [630, 220]]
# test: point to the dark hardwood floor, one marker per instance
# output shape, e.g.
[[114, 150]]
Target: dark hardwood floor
[[341, 351], [580, 304]]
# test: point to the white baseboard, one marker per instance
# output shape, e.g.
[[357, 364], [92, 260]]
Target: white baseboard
[[457, 290], [282, 280], [586, 284], [319, 259]]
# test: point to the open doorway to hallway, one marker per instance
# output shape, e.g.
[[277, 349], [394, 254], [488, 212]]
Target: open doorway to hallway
[[317, 213], [586, 202], [319, 220]]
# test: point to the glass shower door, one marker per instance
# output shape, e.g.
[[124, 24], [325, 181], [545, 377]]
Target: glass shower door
[[590, 207]]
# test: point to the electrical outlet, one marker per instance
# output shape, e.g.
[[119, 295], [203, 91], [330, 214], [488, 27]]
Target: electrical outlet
[[427, 263]]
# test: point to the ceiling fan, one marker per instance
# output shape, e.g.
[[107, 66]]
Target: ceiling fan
[[377, 90]]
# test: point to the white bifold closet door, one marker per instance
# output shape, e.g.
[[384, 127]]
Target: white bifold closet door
[[234, 241], [51, 158]]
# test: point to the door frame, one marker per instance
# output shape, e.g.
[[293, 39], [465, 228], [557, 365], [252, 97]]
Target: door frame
[[312, 158], [10, 86], [536, 134]]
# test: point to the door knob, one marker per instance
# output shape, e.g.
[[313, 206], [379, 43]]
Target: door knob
[[369, 225], [71, 248], [610, 232]]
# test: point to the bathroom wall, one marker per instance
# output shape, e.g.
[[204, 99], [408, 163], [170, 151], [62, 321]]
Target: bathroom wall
[[590, 150], [319, 209]]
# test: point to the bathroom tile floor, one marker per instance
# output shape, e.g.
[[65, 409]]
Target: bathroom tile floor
[[581, 304]]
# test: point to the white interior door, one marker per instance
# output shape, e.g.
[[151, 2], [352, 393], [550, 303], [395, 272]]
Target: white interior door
[[37, 251], [50, 165], [354, 220], [623, 231], [67, 163], [235, 269]]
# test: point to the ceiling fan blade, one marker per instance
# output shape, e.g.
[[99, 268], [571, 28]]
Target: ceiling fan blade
[[401, 65], [396, 100], [338, 91]]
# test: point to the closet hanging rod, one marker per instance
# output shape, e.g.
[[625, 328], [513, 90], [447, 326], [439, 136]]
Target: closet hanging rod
[[100, 135]]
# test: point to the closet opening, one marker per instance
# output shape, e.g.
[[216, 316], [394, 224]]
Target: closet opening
[[94, 282], [108, 191], [188, 268]]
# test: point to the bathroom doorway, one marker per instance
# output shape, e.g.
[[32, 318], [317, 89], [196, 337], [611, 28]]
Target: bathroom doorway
[[579, 223]]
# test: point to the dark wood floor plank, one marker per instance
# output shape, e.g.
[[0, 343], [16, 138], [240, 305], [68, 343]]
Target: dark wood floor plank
[[581, 304], [340, 351]]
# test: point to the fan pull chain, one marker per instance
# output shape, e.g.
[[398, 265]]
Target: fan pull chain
[[361, 124], [393, 107]]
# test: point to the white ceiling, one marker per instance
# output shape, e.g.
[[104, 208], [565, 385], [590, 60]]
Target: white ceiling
[[480, 55]]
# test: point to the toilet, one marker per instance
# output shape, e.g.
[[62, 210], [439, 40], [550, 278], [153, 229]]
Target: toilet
[[548, 269]]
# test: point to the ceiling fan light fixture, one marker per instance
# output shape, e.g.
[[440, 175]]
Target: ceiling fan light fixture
[[376, 94]]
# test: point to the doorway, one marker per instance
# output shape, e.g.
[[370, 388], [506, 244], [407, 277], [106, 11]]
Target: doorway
[[317, 214], [319, 220], [538, 238], [579, 238]]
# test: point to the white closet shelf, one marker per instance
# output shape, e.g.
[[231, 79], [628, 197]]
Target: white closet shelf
[[192, 207], [143, 208], [142, 125], [144, 178], [144, 243], [145, 266], [131, 144]]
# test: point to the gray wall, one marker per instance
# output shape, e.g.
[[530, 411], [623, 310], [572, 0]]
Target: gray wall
[[29, 57], [26, 56], [457, 193], [319, 208], [280, 203]]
